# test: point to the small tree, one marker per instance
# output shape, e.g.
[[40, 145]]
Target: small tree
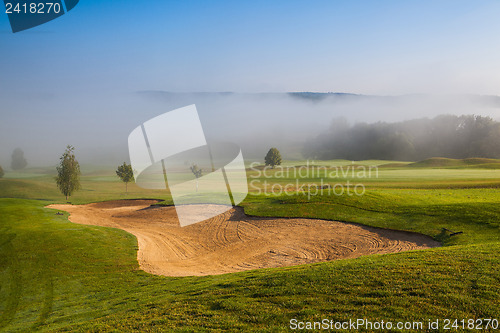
[[125, 173], [197, 172], [273, 157], [1, 172], [68, 173], [18, 160]]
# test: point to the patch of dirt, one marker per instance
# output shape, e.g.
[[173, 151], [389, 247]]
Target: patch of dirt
[[234, 242]]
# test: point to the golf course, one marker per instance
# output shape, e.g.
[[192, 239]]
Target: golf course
[[422, 240], [250, 166]]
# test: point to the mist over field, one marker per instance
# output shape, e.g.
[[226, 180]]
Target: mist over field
[[98, 125]]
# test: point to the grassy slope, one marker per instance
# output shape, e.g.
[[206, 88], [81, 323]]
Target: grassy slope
[[73, 277], [441, 162]]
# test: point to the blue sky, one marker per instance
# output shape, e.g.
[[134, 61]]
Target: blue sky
[[368, 47], [74, 80]]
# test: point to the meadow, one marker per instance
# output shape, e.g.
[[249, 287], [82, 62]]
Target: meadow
[[60, 276]]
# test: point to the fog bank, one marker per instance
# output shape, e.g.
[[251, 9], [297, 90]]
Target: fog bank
[[98, 125]]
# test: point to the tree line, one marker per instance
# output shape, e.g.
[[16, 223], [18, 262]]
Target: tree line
[[443, 136]]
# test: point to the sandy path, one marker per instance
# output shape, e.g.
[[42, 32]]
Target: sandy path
[[234, 242]]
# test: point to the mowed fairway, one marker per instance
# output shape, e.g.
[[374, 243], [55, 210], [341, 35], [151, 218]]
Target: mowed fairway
[[61, 276]]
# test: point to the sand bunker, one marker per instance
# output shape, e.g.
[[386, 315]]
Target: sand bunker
[[234, 242]]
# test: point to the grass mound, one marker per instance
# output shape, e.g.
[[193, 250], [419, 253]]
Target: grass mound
[[437, 162], [476, 161], [442, 162]]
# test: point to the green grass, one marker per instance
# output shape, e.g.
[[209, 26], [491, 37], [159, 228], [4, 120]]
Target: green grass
[[60, 276], [95, 187], [475, 212], [441, 162], [330, 163]]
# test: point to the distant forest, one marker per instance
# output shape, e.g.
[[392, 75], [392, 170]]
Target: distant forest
[[443, 136]]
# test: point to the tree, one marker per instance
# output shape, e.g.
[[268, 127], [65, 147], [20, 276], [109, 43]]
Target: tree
[[273, 157], [18, 160], [197, 172], [125, 173], [68, 173], [1, 172]]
